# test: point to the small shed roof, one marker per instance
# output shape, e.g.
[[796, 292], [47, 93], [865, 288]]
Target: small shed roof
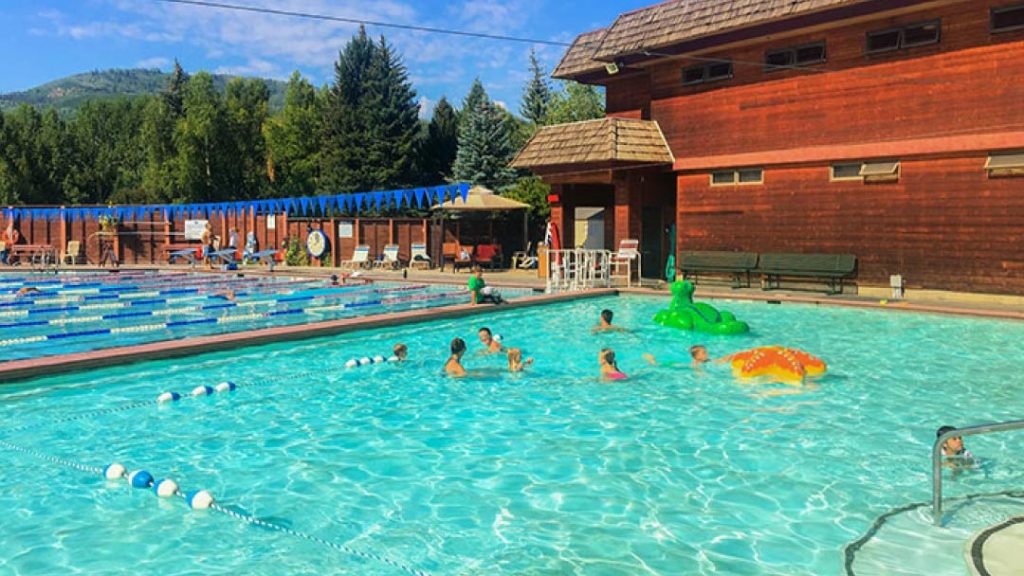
[[480, 199], [596, 141]]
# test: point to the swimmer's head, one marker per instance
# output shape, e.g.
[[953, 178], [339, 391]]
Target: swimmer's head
[[607, 356], [699, 353], [607, 315], [954, 443], [485, 335], [458, 346], [400, 351], [515, 355]]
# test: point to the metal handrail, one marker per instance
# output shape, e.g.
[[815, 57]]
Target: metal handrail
[[937, 456]]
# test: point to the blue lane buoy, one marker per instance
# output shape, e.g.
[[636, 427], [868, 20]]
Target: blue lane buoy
[[199, 499], [168, 397], [114, 471], [165, 488], [140, 479], [202, 391], [226, 387]]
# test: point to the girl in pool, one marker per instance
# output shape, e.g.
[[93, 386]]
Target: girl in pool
[[454, 365], [609, 369], [515, 360]]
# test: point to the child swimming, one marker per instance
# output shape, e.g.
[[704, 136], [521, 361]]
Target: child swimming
[[515, 360], [605, 323], [454, 365], [491, 344], [956, 456], [609, 369], [400, 352]]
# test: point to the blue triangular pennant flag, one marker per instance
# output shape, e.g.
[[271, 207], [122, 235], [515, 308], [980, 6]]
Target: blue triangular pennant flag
[[420, 194], [464, 192]]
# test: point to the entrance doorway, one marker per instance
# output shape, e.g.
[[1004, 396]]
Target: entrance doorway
[[652, 238], [589, 228]]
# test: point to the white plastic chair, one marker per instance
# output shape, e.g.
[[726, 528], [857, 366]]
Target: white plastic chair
[[622, 261], [390, 259], [418, 257], [360, 258]]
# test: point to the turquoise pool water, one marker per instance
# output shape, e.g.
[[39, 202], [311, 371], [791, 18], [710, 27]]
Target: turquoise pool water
[[546, 472], [78, 312]]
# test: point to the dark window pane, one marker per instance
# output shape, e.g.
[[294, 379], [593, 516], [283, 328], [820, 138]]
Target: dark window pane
[[840, 171], [1004, 19], [723, 177], [777, 59], [694, 75], [921, 34], [720, 71], [750, 175], [810, 54], [883, 41]]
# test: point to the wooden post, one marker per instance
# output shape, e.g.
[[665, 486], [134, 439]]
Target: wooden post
[[391, 231], [356, 235], [63, 232], [332, 240]]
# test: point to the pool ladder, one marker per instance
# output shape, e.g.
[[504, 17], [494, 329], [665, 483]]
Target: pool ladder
[[937, 456]]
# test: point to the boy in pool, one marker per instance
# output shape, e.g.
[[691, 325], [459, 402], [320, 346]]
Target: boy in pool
[[454, 365], [515, 360], [698, 354], [400, 351], [605, 323], [956, 456], [609, 368], [491, 346]]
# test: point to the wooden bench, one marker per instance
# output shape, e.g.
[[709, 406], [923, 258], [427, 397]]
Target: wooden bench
[[737, 264], [41, 254], [833, 268]]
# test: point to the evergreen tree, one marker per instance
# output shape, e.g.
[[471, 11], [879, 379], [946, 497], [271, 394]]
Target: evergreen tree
[[536, 95], [293, 146], [441, 144], [174, 95], [476, 97], [485, 147], [391, 113]]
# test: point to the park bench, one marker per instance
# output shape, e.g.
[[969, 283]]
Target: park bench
[[832, 268], [737, 264]]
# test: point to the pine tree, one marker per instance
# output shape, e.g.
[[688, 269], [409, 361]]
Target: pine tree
[[485, 148], [293, 145], [474, 99], [391, 113], [441, 144], [536, 95], [174, 95]]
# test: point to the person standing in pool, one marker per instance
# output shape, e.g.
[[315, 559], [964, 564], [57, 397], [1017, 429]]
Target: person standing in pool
[[515, 360], [955, 455], [454, 365], [698, 354], [605, 323], [609, 368], [480, 292]]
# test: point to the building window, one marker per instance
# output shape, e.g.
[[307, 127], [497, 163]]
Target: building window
[[920, 34], [847, 171], [1005, 164], [883, 171], [741, 176], [796, 56], [1009, 18], [710, 72]]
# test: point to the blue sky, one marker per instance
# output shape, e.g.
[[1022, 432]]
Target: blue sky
[[43, 40]]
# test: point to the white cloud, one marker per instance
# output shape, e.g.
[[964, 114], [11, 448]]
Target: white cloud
[[154, 62], [501, 104], [254, 67], [426, 107]]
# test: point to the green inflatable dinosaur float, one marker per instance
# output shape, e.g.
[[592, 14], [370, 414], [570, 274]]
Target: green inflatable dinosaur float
[[685, 314]]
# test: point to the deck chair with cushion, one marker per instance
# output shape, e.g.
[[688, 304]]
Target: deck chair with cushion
[[464, 258], [489, 255], [418, 258], [73, 252], [389, 258], [523, 259], [360, 258]]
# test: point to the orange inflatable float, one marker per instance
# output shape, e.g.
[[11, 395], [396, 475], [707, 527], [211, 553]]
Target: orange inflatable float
[[776, 364]]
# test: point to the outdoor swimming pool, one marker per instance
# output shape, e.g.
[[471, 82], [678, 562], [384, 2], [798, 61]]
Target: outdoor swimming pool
[[77, 312], [546, 472]]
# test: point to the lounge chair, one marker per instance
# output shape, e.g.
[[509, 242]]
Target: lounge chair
[[523, 259], [622, 261], [449, 252], [464, 258], [489, 255], [389, 258], [418, 257], [73, 252], [360, 258]]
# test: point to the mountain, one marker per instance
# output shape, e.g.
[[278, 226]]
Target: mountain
[[67, 94]]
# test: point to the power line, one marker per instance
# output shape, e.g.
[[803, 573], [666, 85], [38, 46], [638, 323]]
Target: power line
[[416, 28]]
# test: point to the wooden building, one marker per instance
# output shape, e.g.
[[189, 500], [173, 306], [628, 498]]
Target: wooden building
[[892, 130]]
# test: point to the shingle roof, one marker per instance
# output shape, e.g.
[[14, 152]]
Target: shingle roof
[[677, 21], [595, 141]]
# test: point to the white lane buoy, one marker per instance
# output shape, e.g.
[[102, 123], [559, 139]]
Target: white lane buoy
[[226, 387], [199, 499], [202, 391], [140, 479], [364, 361], [394, 359], [114, 471], [352, 363], [165, 488], [168, 397], [379, 360]]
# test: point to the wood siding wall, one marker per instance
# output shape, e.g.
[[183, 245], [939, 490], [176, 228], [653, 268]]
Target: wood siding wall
[[945, 224]]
